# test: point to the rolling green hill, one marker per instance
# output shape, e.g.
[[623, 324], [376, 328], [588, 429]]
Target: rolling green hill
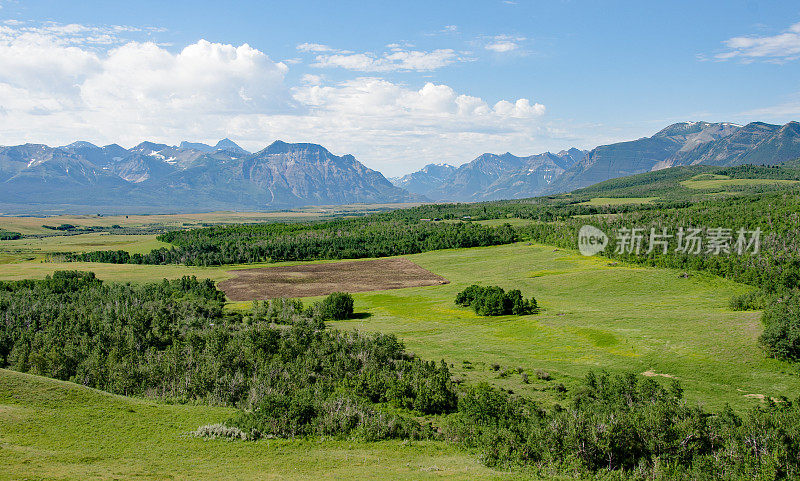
[[59, 430]]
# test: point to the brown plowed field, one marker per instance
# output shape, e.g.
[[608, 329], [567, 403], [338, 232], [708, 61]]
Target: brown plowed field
[[321, 279]]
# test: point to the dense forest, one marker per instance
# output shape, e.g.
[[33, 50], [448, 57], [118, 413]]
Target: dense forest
[[340, 239], [172, 340]]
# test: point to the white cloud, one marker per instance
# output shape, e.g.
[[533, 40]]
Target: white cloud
[[776, 48], [382, 98], [397, 59], [204, 77], [400, 57], [502, 46], [504, 43], [313, 47], [52, 82], [396, 129]]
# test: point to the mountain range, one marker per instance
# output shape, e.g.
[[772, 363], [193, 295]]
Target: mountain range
[[506, 176], [151, 177], [491, 176], [192, 177]]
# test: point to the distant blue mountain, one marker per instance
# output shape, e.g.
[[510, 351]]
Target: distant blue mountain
[[153, 177]]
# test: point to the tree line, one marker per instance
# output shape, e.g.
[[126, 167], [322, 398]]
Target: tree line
[[341, 239]]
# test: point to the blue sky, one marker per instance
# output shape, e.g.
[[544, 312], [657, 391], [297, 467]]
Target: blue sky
[[398, 84]]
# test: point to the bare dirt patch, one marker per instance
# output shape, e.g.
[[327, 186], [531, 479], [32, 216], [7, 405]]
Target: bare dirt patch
[[652, 373], [320, 279]]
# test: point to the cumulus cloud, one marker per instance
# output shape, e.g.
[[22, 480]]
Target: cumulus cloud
[[440, 103], [777, 48], [50, 80], [204, 77]]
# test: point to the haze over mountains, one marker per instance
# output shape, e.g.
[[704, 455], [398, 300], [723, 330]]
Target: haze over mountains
[[150, 177]]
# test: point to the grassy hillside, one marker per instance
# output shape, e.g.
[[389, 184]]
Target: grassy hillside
[[57, 430], [689, 183]]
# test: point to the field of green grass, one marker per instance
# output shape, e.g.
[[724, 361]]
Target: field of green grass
[[33, 224], [84, 243], [595, 316], [56, 430], [715, 181], [619, 201]]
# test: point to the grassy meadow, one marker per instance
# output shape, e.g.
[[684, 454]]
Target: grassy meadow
[[33, 224], [57, 430], [716, 181], [594, 316], [599, 201]]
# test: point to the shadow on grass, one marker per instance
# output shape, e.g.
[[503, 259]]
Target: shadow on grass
[[361, 315]]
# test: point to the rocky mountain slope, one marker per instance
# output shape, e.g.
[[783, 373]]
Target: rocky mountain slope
[[686, 143], [491, 176], [506, 176], [151, 177]]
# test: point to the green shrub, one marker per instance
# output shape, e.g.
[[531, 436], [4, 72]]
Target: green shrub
[[216, 431], [337, 306], [755, 300], [781, 336]]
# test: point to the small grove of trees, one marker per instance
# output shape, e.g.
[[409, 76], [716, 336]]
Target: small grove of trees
[[494, 301], [9, 235]]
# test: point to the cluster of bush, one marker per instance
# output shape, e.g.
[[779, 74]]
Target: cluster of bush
[[173, 340], [781, 319], [9, 235], [335, 307], [628, 427], [494, 301]]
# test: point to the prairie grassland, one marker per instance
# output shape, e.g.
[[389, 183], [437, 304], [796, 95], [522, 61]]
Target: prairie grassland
[[619, 201], [704, 182], [594, 316], [15, 270], [33, 225], [57, 430], [84, 243]]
